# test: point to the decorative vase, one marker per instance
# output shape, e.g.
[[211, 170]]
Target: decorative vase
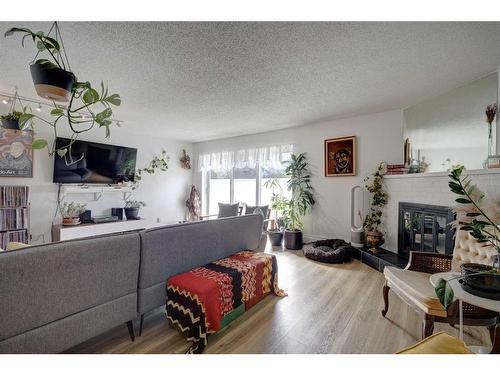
[[275, 237], [293, 239], [375, 239], [71, 221], [486, 285], [491, 145], [52, 83]]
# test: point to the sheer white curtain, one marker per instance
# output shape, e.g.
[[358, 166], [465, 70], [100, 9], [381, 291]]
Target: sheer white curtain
[[266, 157]]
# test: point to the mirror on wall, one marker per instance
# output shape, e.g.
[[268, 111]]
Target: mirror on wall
[[451, 128]]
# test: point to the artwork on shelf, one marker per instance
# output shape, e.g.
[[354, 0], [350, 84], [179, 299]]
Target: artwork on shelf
[[340, 156], [16, 154]]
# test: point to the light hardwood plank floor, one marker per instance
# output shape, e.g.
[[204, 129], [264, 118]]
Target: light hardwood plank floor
[[329, 309]]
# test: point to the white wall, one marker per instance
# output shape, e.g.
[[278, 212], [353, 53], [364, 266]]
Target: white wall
[[164, 193], [379, 138]]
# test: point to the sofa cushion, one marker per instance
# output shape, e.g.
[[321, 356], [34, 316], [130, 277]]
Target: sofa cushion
[[414, 288], [438, 343], [251, 209], [46, 283], [228, 210]]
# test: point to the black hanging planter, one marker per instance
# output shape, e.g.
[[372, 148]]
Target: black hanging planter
[[293, 239], [10, 124], [486, 285], [51, 82], [275, 237]]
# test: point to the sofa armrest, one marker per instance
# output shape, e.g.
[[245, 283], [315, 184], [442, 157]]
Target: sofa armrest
[[429, 262]]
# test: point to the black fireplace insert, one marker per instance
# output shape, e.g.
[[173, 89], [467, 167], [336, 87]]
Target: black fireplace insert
[[424, 227]]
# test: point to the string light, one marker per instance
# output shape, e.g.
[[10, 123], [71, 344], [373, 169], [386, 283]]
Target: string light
[[39, 108], [5, 101]]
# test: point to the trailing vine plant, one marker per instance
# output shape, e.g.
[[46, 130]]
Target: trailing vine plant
[[158, 163], [83, 112], [379, 199]]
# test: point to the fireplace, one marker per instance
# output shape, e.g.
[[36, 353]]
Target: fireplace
[[424, 227]]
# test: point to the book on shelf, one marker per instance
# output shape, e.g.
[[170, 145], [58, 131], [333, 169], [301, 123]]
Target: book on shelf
[[14, 196]]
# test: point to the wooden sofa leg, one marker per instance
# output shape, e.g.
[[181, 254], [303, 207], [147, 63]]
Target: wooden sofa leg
[[386, 299], [427, 326], [130, 326], [140, 325]]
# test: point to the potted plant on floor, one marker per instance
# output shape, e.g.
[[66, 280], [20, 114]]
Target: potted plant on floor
[[71, 212], [482, 220], [278, 205], [374, 237], [301, 201], [132, 209]]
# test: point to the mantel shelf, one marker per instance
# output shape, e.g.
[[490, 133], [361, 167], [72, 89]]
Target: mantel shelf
[[471, 172]]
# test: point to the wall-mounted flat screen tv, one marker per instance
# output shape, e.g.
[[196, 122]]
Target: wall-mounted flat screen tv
[[98, 163]]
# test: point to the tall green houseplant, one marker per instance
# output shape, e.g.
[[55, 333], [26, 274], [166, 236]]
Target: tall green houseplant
[[301, 201]]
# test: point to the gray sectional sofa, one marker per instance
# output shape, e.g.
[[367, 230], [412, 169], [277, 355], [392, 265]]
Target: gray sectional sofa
[[55, 296]]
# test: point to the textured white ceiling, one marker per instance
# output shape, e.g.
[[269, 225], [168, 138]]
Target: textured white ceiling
[[199, 81]]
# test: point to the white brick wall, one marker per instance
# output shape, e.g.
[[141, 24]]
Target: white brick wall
[[430, 189]]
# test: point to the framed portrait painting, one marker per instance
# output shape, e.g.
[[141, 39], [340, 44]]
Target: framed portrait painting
[[340, 156], [16, 154]]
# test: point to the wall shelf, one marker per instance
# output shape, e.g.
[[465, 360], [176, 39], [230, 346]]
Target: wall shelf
[[96, 190]]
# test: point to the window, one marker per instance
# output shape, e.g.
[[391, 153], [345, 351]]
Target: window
[[219, 187], [245, 185], [243, 179]]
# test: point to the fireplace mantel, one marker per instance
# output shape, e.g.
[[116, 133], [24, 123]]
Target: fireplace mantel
[[472, 172]]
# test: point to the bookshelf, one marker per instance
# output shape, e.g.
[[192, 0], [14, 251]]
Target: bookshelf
[[14, 214]]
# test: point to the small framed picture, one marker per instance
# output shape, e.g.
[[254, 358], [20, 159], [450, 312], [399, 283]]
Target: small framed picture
[[16, 154], [340, 156]]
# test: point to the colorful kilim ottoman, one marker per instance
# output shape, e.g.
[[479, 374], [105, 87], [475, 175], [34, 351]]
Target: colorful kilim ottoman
[[206, 299]]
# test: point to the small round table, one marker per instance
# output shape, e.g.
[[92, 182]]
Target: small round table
[[463, 296]]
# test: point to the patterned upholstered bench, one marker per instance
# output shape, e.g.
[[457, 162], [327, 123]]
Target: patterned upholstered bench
[[206, 299]]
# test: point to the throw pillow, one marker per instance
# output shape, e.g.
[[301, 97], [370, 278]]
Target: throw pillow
[[251, 210], [228, 210]]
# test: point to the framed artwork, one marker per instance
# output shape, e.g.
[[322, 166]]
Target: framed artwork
[[16, 154], [340, 156]]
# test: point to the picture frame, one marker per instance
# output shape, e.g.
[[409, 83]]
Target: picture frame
[[340, 156], [16, 153]]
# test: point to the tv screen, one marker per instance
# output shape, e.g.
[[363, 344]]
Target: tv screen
[[97, 163]]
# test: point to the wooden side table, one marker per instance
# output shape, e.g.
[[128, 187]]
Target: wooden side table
[[463, 296]]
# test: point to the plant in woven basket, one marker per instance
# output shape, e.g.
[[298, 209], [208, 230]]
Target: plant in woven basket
[[481, 219]]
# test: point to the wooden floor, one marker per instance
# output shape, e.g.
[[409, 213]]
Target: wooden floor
[[329, 309]]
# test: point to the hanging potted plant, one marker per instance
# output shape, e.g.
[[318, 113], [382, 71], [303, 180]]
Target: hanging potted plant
[[11, 120], [278, 205], [374, 237], [301, 201], [132, 209], [15, 119], [54, 80], [71, 212]]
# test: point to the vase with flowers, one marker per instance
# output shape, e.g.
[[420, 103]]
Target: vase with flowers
[[491, 112]]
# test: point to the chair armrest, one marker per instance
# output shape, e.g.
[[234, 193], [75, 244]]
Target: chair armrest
[[429, 262]]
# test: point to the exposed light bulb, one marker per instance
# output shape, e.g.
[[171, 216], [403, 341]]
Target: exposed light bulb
[[5, 101], [118, 124], [39, 108]]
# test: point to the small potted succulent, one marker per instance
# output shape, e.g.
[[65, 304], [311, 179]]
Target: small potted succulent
[[132, 209], [71, 212], [11, 120]]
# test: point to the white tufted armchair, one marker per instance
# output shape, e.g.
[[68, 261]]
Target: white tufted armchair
[[413, 286]]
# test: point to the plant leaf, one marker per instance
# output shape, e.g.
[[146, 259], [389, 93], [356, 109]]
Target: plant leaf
[[462, 200], [57, 112], [62, 151], [114, 99], [39, 144], [444, 293], [24, 119]]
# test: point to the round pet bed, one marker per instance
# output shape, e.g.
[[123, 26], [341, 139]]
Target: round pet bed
[[328, 251]]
